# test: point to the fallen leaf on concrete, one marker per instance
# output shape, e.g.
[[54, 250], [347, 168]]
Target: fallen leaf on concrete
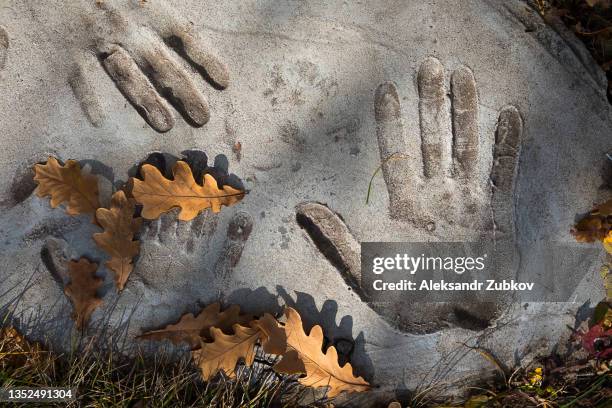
[[304, 355], [192, 330], [67, 184], [158, 195], [117, 240], [82, 290], [224, 352]]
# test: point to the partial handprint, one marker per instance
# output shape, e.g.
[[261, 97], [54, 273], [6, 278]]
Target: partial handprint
[[177, 247], [140, 45], [185, 247], [437, 179]]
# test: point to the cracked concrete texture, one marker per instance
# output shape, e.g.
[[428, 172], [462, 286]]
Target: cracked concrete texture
[[300, 100]]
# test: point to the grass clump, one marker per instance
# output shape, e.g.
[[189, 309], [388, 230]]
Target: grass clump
[[107, 379]]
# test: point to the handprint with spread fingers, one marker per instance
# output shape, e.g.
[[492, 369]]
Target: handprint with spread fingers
[[445, 177]]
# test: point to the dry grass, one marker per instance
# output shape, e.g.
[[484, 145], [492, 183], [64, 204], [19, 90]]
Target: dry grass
[[106, 379]]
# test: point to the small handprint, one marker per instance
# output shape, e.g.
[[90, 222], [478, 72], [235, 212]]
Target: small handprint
[[183, 248], [186, 247]]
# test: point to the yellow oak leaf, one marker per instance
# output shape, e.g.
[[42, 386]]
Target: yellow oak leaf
[[82, 290], [192, 330], [117, 240], [304, 355], [67, 184], [224, 352], [158, 194]]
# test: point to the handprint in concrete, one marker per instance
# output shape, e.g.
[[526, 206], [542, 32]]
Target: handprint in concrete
[[151, 53], [195, 251], [443, 177]]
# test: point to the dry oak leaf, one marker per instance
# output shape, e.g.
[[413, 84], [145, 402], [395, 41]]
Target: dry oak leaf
[[82, 290], [117, 240], [273, 337], [226, 350], [67, 184], [596, 225], [192, 330], [304, 355], [158, 195], [16, 351]]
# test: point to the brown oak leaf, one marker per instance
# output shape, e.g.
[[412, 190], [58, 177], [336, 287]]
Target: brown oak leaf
[[82, 290], [304, 355], [117, 240], [224, 352], [273, 337], [192, 330], [67, 184], [158, 194], [16, 351], [596, 226]]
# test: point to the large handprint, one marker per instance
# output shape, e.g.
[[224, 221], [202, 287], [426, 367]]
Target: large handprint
[[443, 178], [139, 45], [448, 178]]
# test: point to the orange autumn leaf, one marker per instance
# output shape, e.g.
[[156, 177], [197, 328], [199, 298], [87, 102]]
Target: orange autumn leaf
[[158, 194], [67, 184], [224, 352], [117, 240], [82, 290], [192, 329], [304, 355]]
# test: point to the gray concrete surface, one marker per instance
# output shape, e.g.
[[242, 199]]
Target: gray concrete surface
[[296, 84]]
